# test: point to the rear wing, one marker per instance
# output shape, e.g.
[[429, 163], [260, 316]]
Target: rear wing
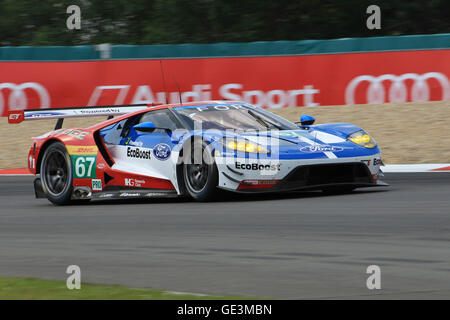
[[75, 112]]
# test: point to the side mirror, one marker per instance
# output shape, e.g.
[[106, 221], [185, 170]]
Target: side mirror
[[306, 120], [149, 127], [145, 127]]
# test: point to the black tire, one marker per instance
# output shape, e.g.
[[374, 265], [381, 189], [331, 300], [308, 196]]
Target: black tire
[[56, 174], [200, 180]]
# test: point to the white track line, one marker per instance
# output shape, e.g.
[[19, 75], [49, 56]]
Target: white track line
[[429, 167], [390, 168]]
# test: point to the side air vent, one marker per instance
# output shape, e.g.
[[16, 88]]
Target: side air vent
[[107, 178], [101, 148]]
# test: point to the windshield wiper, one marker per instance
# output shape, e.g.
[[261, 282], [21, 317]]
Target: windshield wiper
[[265, 123]]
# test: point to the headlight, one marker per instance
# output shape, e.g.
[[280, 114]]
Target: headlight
[[244, 146], [361, 138]]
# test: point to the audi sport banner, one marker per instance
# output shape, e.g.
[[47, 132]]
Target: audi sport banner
[[273, 82]]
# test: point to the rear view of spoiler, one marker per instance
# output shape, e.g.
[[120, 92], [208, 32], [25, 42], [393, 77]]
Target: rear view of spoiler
[[61, 113]]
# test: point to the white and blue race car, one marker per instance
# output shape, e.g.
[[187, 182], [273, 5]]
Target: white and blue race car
[[196, 149]]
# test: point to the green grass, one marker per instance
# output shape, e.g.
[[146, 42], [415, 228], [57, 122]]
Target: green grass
[[37, 289]]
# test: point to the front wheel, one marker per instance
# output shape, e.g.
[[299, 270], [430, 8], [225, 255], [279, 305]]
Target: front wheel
[[56, 174], [200, 179]]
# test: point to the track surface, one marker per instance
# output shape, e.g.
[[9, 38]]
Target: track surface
[[304, 245]]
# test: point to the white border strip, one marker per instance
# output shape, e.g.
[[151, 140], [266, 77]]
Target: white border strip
[[393, 168], [415, 167]]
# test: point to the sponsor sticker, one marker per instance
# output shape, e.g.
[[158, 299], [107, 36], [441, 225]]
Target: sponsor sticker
[[162, 151], [106, 195], [31, 163], [139, 153], [155, 194], [40, 114], [82, 150], [98, 111], [77, 134], [134, 143], [129, 194], [15, 117], [97, 185], [84, 166], [261, 182], [101, 166], [377, 162], [257, 166], [321, 148], [219, 107], [84, 159], [130, 182]]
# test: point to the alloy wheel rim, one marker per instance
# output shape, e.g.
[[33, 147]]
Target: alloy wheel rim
[[56, 173], [197, 175]]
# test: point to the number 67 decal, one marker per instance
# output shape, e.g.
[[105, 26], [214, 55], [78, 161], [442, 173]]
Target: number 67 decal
[[84, 166]]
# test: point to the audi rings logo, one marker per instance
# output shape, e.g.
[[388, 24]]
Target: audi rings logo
[[398, 92], [18, 99]]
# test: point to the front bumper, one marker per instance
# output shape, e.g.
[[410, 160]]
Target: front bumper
[[299, 175], [326, 174]]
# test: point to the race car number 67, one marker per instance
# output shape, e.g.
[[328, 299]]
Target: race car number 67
[[80, 166]]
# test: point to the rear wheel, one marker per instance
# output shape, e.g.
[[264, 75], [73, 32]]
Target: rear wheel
[[200, 179], [56, 174]]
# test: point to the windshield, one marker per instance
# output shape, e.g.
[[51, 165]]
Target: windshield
[[238, 117]]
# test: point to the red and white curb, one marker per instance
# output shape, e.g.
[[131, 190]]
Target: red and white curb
[[393, 168], [15, 172]]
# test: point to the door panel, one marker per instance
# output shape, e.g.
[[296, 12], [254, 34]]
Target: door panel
[[144, 153]]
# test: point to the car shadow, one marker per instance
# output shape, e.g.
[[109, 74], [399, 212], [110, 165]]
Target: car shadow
[[238, 197]]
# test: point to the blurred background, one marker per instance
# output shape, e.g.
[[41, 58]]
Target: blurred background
[[41, 22], [385, 69]]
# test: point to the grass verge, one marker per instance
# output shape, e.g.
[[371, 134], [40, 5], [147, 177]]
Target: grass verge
[[37, 289]]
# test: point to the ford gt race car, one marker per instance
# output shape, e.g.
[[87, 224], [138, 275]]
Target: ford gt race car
[[197, 150]]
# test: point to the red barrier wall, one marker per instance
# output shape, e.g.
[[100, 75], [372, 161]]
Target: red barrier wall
[[328, 79]]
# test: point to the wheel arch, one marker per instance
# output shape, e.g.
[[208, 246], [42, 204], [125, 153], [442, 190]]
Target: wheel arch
[[179, 165], [42, 152], [180, 161]]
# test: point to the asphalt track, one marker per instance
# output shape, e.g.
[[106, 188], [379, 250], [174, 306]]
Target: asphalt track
[[303, 245]]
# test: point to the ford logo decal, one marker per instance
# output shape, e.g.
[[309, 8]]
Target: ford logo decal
[[321, 148], [162, 151]]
